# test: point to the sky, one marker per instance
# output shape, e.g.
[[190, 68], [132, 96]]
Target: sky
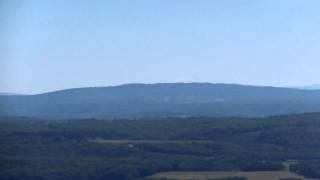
[[57, 44]]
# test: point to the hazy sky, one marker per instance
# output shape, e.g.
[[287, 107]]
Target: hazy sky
[[49, 45]]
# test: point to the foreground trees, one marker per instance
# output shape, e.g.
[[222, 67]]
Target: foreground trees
[[42, 149]]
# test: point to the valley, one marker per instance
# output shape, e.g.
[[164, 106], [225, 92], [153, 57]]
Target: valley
[[142, 148]]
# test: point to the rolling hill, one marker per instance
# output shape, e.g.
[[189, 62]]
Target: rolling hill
[[162, 100]]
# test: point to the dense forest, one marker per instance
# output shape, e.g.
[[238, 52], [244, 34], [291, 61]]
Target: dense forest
[[136, 149]]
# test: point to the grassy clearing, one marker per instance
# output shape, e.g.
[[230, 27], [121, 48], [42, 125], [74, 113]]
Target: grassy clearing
[[288, 163], [253, 175], [106, 141]]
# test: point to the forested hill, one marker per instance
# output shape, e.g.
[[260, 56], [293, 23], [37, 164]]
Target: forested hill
[[162, 100]]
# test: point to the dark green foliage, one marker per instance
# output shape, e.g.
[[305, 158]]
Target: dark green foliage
[[41, 149], [309, 168]]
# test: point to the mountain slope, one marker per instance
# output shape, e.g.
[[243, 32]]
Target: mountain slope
[[161, 100], [311, 87]]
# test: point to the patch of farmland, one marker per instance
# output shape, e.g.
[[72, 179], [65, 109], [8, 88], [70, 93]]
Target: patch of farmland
[[107, 141], [252, 175]]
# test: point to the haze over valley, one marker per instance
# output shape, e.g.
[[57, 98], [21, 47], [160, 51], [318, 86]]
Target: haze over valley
[[159, 90]]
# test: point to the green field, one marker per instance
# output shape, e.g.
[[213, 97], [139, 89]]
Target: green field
[[110, 141], [254, 175]]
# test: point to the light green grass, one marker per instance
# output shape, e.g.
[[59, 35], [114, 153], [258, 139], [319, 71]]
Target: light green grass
[[288, 163], [251, 175], [107, 141]]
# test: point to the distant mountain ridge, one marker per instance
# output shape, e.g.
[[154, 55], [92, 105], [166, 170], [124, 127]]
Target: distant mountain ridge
[[162, 100], [310, 87], [7, 94]]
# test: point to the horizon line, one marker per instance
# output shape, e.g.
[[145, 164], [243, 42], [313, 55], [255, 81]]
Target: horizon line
[[8, 93]]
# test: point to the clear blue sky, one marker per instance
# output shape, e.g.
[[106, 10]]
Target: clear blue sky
[[49, 45]]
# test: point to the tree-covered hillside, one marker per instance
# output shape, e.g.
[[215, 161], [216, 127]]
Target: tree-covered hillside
[[163, 100]]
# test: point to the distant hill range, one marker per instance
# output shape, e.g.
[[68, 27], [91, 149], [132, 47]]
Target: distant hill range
[[162, 100], [9, 94], [311, 87]]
